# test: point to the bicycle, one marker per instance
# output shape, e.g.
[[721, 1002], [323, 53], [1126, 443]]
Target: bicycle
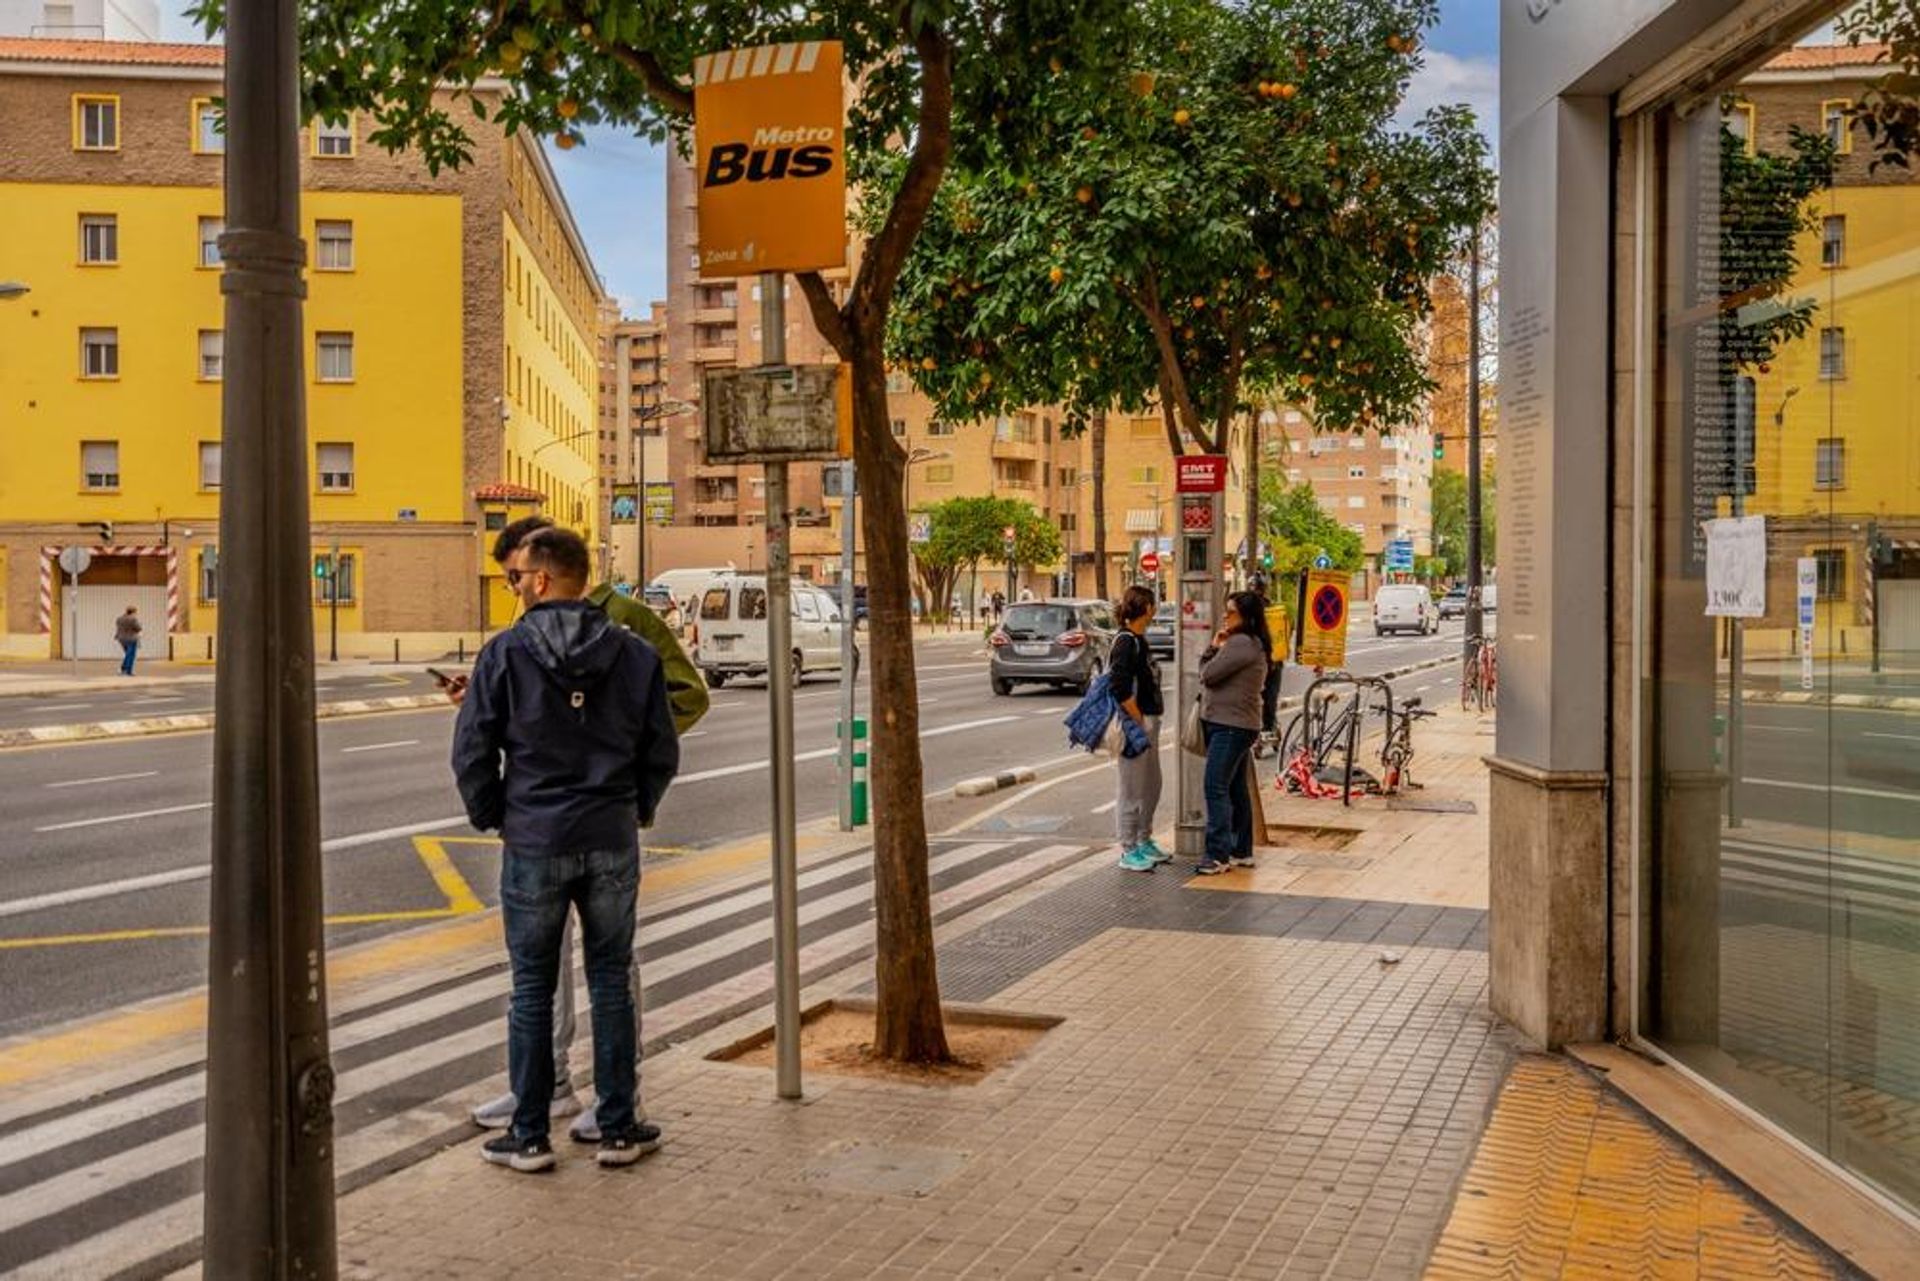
[[1480, 675], [1397, 754], [1319, 732]]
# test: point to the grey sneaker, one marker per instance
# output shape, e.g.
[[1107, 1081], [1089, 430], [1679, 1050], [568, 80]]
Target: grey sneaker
[[1241, 860], [586, 1126], [497, 1114]]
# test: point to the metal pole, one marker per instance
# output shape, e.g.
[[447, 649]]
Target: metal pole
[[69, 610], [333, 604], [1475, 617], [847, 692], [1736, 647], [786, 866], [269, 1118]]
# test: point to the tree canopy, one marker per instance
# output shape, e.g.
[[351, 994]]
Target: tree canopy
[[963, 532], [1299, 529]]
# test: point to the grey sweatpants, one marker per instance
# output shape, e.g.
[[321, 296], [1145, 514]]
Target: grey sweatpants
[[1137, 790]]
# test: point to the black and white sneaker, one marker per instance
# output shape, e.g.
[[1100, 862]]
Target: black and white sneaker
[[629, 1146], [528, 1156]]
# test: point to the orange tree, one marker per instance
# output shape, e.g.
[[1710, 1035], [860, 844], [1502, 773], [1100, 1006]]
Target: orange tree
[[1240, 214], [934, 73]]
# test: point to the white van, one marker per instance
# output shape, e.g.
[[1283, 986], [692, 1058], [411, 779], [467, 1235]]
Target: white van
[[685, 585], [730, 630], [1404, 607]]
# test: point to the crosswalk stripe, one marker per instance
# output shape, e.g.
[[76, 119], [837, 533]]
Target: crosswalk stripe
[[169, 1226]]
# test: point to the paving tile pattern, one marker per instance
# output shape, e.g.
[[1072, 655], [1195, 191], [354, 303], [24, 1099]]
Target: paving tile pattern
[[1234, 1105], [1571, 1181]]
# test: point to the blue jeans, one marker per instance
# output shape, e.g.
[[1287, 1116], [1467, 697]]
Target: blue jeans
[[536, 891], [128, 648], [1229, 808]]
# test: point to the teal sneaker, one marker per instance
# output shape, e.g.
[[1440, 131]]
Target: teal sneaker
[[1159, 855], [1138, 859]]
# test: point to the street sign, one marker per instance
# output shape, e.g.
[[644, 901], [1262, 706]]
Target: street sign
[[1400, 555], [769, 140], [1150, 563], [775, 413], [1807, 590], [1323, 561], [1200, 474], [920, 527], [74, 560], [1196, 514], [1323, 641]]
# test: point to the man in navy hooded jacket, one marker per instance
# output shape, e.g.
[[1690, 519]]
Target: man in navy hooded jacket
[[565, 744]]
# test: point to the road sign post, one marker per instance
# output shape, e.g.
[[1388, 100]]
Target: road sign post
[[74, 560], [1323, 636], [849, 818], [1200, 484]]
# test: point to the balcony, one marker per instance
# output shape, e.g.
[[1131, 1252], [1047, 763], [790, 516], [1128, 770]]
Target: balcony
[[715, 315], [728, 507], [1025, 450], [728, 355], [713, 471]]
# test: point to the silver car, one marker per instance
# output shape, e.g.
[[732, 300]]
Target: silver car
[[1062, 643]]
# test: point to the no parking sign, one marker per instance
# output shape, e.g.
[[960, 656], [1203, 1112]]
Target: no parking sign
[[1323, 639]]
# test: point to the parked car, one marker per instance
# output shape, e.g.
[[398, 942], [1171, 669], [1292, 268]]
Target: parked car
[[1163, 633], [1062, 643], [1404, 607], [729, 633], [1454, 603]]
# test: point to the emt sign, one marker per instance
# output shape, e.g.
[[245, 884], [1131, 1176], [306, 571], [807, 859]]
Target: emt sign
[[769, 141]]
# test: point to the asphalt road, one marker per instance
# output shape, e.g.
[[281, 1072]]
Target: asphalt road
[[108, 841], [1854, 769]]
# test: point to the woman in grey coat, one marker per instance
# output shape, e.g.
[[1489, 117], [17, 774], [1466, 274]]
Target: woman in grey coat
[[1232, 672]]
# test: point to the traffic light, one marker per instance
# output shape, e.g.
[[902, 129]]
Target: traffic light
[[322, 566], [1266, 558], [1439, 444], [105, 529]]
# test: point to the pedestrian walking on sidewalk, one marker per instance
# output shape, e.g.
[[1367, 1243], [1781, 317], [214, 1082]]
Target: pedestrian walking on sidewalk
[[126, 630], [1133, 678], [565, 744], [687, 693], [1232, 672]]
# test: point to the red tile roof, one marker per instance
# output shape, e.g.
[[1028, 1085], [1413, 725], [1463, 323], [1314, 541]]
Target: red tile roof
[[1821, 57], [99, 52], [508, 494]]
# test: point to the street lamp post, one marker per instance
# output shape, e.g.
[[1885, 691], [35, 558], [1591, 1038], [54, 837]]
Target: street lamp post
[[268, 1202]]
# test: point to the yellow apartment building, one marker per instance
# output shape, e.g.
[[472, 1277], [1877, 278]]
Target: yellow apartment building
[[449, 361]]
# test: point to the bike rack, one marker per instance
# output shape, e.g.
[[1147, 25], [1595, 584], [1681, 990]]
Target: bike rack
[[1314, 707]]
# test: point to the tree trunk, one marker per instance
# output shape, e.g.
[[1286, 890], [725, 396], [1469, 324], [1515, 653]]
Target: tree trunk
[[1251, 479], [1099, 430], [908, 1026]]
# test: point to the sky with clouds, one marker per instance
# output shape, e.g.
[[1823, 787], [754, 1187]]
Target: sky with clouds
[[617, 183]]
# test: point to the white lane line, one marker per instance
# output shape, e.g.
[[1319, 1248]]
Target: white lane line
[[379, 747], [104, 778], [1780, 729], [87, 893], [693, 733], [1905, 738], [64, 707], [929, 702], [1873, 793], [1107, 808], [124, 818], [163, 698], [748, 767]]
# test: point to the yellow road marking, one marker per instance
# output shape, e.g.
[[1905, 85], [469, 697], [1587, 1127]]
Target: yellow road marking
[[136, 1032], [460, 896]]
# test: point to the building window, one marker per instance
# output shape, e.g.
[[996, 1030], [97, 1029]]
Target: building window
[[940, 474], [1830, 573], [333, 578], [96, 122], [1360, 473], [938, 428], [209, 131], [334, 462], [100, 464], [99, 239], [1830, 463], [334, 240], [209, 464], [1356, 501], [333, 139], [1737, 119], [213, 349], [1833, 240], [899, 427], [1146, 475], [211, 229], [898, 384], [1833, 352], [209, 575], [335, 364], [99, 353], [1836, 118], [1143, 428]]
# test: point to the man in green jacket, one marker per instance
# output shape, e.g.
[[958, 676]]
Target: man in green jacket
[[688, 698]]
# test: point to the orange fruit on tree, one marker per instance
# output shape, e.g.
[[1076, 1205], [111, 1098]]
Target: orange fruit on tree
[[566, 142], [1056, 275], [1182, 116], [1286, 91], [928, 362], [1084, 195], [1089, 133], [568, 108]]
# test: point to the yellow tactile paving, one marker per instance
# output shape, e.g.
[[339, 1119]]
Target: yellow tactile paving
[[1570, 1181]]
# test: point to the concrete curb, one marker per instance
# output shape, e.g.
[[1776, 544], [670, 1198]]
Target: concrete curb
[[994, 783], [1806, 698], [41, 735]]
